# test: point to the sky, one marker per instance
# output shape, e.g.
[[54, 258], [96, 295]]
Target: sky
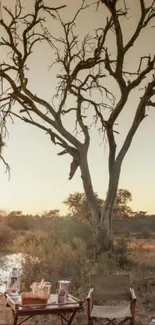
[[39, 177]]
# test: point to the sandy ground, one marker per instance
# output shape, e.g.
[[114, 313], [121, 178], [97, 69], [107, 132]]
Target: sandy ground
[[5, 313], [142, 317], [6, 317]]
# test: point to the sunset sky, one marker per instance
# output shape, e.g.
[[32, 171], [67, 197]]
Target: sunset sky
[[39, 178]]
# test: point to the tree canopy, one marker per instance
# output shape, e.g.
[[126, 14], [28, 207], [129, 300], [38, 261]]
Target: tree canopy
[[83, 93], [78, 205]]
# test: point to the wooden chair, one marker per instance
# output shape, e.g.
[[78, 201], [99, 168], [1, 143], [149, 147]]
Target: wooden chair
[[111, 288]]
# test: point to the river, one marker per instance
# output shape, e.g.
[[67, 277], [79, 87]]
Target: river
[[7, 261]]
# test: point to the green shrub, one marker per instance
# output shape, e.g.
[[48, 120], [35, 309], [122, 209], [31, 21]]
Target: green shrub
[[54, 262]]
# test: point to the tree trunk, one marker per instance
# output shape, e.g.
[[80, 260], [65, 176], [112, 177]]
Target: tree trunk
[[102, 219], [105, 234], [88, 188]]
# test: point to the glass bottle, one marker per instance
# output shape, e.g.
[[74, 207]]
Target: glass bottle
[[14, 281]]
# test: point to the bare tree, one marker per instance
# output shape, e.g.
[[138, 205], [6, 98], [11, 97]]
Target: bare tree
[[84, 68]]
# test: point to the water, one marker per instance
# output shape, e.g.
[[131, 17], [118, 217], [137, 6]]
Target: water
[[7, 261]]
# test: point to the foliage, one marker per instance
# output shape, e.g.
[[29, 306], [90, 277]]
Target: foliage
[[121, 208], [51, 214], [46, 220], [64, 229], [123, 257], [78, 205], [55, 261], [146, 234], [68, 228], [16, 220], [16, 225], [43, 258], [6, 236]]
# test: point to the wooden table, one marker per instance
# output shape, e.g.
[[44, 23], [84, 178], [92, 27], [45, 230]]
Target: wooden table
[[66, 311]]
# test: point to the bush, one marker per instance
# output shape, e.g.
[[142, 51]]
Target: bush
[[54, 262], [68, 228], [123, 256], [146, 233], [6, 236], [17, 221]]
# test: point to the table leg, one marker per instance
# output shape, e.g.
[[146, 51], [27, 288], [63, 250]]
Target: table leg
[[72, 317], [15, 320], [62, 320], [68, 321]]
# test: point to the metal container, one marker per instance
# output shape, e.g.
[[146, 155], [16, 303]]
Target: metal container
[[65, 285]]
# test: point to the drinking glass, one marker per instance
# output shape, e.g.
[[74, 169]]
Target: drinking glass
[[47, 288]]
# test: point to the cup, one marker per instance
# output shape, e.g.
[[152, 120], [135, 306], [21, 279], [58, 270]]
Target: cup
[[61, 295], [61, 299], [47, 288]]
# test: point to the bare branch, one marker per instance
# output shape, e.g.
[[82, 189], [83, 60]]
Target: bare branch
[[139, 116], [7, 167], [150, 103], [146, 15], [143, 73]]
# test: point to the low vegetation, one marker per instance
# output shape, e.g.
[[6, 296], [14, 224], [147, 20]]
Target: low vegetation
[[57, 247]]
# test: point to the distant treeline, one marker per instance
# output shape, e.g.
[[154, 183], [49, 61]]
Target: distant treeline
[[17, 224], [78, 223]]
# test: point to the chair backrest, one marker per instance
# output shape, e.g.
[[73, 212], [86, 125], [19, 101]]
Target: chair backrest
[[110, 287]]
